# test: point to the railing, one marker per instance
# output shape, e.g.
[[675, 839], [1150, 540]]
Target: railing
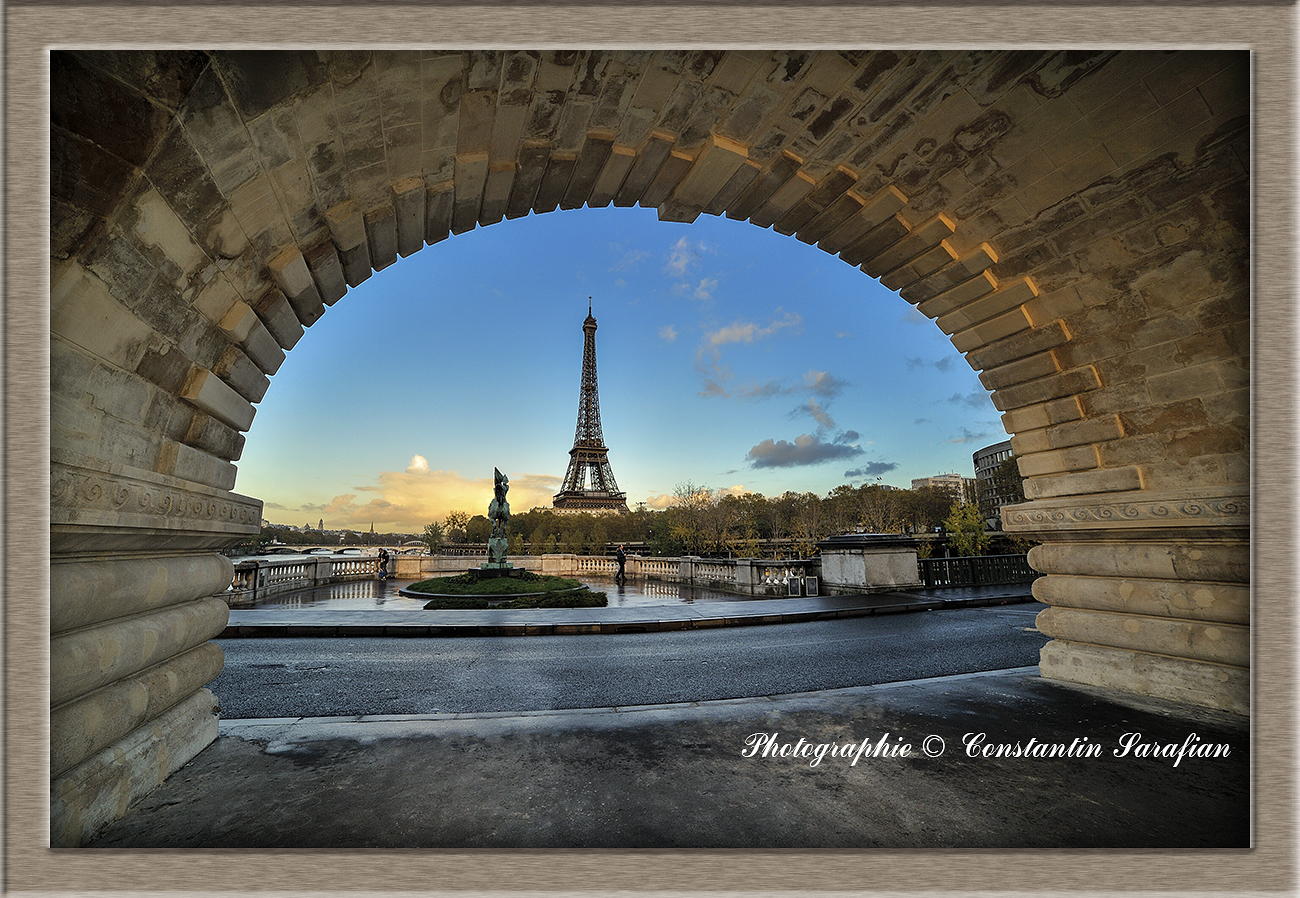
[[976, 570], [657, 568], [592, 564], [261, 578], [715, 571]]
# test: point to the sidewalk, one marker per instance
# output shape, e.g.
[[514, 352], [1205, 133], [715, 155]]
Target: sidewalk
[[288, 621], [678, 776]]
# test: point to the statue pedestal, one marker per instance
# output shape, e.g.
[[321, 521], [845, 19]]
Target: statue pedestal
[[490, 570]]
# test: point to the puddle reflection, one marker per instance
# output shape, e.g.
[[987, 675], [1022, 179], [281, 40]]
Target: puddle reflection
[[381, 595]]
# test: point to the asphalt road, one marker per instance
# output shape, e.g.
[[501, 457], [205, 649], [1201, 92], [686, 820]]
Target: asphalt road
[[308, 677]]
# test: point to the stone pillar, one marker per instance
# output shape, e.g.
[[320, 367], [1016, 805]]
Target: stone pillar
[[133, 571], [867, 562], [686, 568], [1149, 592], [747, 576], [557, 565]]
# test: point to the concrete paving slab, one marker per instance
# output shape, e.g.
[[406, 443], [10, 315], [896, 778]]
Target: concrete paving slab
[[897, 771]]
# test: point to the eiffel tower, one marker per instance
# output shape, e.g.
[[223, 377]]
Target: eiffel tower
[[589, 483]]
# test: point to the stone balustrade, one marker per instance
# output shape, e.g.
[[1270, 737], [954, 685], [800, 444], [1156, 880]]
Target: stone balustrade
[[261, 578], [258, 579]]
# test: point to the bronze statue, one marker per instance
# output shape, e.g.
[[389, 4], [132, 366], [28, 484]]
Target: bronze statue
[[499, 515]]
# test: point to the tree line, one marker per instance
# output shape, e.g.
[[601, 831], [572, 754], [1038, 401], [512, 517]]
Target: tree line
[[706, 522]]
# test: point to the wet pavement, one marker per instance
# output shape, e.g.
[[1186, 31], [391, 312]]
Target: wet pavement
[[924, 764], [1002, 759], [349, 609], [383, 595]]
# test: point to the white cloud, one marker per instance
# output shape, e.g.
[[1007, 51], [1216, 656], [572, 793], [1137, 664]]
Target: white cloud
[[681, 257], [704, 290], [685, 255], [748, 331], [630, 260], [668, 333]]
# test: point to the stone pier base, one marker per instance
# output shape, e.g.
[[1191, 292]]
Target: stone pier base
[[1148, 592]]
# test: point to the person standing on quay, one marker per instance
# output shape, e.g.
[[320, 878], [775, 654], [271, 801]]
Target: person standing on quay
[[383, 564], [622, 560]]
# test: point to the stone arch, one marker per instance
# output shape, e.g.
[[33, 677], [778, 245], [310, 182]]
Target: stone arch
[[1075, 221]]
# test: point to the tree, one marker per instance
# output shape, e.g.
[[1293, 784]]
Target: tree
[[925, 509], [434, 536], [537, 540], [455, 524], [882, 510], [597, 537], [478, 529], [841, 509], [686, 515], [747, 513], [965, 529], [807, 524]]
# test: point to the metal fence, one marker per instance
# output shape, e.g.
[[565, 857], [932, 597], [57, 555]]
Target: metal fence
[[976, 570]]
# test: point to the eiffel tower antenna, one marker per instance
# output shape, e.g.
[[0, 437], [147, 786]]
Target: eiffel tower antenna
[[589, 482]]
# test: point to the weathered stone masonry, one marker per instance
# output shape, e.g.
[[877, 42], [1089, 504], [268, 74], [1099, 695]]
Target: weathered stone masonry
[[1076, 221]]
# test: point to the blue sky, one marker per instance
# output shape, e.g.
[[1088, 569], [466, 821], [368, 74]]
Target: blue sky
[[729, 356]]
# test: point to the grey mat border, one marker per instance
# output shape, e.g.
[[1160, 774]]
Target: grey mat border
[[1268, 28]]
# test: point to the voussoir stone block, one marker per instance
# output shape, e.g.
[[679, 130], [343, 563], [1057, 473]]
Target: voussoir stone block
[[1079, 458], [290, 272], [276, 313], [327, 270], [238, 370], [1106, 480], [1186, 599], [208, 392], [188, 463]]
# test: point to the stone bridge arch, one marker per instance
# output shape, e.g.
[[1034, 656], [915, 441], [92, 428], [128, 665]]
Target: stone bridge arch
[[1076, 222]]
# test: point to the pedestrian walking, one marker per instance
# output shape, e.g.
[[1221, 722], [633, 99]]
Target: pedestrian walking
[[621, 555], [383, 564]]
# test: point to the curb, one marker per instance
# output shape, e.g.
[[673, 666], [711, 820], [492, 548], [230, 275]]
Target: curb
[[592, 628]]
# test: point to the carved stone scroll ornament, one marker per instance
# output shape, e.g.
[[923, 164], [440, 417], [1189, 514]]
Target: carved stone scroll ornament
[[1201, 509], [162, 512]]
